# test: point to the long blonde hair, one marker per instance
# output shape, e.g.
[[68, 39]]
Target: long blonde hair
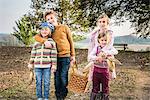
[[103, 15]]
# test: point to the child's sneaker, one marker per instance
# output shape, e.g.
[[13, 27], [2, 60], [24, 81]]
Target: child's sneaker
[[39, 99]]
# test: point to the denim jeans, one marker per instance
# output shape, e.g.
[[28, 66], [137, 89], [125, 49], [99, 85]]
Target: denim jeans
[[61, 77], [42, 73]]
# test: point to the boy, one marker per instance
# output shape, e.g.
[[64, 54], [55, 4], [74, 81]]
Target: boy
[[44, 61]]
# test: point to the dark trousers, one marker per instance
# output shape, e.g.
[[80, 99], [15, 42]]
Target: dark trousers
[[61, 77], [102, 78]]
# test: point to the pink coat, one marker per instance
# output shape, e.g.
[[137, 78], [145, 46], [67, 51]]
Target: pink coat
[[94, 42]]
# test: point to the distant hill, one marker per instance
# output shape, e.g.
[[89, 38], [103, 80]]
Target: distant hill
[[9, 40], [127, 39], [131, 39]]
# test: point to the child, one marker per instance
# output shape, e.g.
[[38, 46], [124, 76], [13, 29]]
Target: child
[[66, 53], [111, 65], [101, 70], [44, 61], [102, 26], [103, 23]]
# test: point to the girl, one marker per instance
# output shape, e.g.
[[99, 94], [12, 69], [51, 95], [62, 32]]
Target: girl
[[101, 70], [43, 60]]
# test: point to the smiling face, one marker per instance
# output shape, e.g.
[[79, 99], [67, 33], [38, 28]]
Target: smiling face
[[45, 32], [102, 41], [51, 18], [103, 23]]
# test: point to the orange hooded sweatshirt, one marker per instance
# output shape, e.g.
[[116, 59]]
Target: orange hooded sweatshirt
[[63, 38]]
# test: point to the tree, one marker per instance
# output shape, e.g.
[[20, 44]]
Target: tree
[[29, 23], [25, 31], [136, 11], [68, 12]]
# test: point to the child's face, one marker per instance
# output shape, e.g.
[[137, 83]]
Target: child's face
[[51, 19], [102, 41], [45, 31], [103, 23]]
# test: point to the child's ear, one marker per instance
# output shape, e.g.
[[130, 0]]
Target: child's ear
[[107, 22]]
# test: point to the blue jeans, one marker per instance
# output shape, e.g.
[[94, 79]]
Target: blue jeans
[[61, 77], [42, 73]]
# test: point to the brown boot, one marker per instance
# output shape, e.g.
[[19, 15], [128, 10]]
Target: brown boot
[[99, 96], [105, 96]]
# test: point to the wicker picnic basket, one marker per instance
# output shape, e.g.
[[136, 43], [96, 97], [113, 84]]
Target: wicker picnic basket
[[78, 80]]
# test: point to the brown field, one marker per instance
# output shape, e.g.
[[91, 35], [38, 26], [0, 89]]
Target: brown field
[[132, 83]]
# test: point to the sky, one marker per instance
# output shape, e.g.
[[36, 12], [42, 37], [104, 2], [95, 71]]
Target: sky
[[13, 10]]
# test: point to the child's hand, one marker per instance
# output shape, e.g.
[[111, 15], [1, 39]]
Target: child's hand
[[72, 59], [47, 44], [102, 54], [30, 66], [53, 70], [99, 59], [72, 63]]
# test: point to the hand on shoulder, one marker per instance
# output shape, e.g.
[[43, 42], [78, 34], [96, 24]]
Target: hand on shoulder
[[47, 44]]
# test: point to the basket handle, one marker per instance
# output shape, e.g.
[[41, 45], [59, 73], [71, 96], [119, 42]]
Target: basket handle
[[74, 67]]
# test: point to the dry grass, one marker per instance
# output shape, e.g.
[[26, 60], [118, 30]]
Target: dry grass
[[132, 83]]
